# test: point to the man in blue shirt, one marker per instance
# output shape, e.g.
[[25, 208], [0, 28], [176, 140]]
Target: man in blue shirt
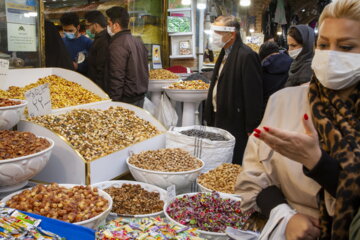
[[77, 45]]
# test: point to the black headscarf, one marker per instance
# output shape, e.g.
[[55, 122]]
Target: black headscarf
[[300, 71]]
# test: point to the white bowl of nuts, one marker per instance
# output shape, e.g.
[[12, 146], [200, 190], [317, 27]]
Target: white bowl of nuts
[[134, 199], [81, 205], [11, 111], [165, 167], [22, 156]]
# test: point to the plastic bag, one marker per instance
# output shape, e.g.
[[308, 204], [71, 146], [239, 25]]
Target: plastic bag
[[149, 106], [213, 153], [166, 113]]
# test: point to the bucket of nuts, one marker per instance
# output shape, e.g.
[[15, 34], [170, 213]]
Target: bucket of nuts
[[81, 205], [22, 156], [11, 111], [165, 167], [134, 199]]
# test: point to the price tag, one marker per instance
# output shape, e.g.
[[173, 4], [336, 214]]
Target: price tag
[[39, 100], [171, 192], [4, 69]]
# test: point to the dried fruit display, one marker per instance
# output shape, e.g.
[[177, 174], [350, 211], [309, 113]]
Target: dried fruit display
[[15, 144], [166, 160], [190, 85], [204, 134], [221, 179], [75, 204], [4, 102], [132, 199], [63, 92], [96, 133], [162, 74]]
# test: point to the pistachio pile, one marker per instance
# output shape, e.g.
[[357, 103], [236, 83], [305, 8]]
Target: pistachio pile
[[221, 179], [190, 85], [162, 74], [166, 160], [96, 133], [63, 92]]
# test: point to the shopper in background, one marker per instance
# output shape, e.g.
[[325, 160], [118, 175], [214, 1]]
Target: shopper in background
[[306, 155], [77, 45], [128, 74], [235, 99], [301, 41], [56, 54], [275, 66], [96, 27]]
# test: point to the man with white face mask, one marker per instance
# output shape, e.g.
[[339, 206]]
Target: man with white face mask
[[235, 99]]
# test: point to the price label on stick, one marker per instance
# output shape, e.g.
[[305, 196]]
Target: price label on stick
[[171, 192], [4, 69], [39, 100]]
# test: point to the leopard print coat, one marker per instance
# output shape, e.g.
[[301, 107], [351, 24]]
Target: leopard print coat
[[338, 125]]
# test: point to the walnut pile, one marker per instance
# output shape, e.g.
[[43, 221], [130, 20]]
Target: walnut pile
[[96, 133], [74, 204], [130, 199], [4, 102], [162, 74], [190, 85], [15, 144], [63, 92], [166, 160], [221, 179]]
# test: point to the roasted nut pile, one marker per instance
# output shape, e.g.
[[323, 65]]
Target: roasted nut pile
[[4, 102], [15, 144], [162, 74], [203, 134], [166, 160], [63, 92], [74, 204], [190, 85], [96, 133], [221, 179], [130, 199]]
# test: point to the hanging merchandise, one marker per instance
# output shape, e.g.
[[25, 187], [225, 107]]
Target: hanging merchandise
[[280, 15]]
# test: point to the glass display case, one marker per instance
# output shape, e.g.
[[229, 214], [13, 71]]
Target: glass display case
[[20, 34]]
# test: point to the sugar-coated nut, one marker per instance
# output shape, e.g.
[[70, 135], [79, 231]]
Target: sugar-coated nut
[[221, 179], [96, 133], [15, 144], [63, 92], [59, 202], [166, 160]]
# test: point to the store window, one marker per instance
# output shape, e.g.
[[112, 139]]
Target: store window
[[19, 32]]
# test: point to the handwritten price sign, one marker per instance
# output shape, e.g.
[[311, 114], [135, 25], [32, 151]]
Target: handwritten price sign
[[39, 100], [4, 68]]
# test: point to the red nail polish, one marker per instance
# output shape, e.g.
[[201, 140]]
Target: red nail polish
[[257, 135], [267, 129], [306, 117], [257, 131]]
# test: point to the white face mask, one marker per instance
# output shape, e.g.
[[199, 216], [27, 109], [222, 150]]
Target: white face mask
[[217, 41], [295, 53], [109, 31], [336, 70]]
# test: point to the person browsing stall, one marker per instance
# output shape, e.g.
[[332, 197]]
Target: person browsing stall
[[235, 98], [128, 74], [302, 165]]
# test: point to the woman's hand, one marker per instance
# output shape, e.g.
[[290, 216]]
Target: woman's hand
[[302, 227], [300, 147]]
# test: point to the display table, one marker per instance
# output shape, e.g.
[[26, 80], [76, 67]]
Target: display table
[[156, 89]]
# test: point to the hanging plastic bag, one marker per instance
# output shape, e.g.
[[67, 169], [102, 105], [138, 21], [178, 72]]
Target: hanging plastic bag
[[149, 106], [166, 113]]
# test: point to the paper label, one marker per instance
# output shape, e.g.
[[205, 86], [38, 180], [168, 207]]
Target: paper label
[[39, 100], [4, 69], [171, 192]]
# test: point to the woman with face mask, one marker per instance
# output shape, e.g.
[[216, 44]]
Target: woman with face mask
[[235, 98], [302, 164], [301, 41]]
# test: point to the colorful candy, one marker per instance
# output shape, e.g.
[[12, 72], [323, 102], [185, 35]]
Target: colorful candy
[[145, 229], [208, 212]]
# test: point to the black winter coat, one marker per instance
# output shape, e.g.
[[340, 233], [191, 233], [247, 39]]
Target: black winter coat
[[239, 95], [97, 58]]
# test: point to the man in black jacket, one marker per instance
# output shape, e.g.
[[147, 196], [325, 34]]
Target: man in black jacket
[[128, 74], [235, 99], [96, 24]]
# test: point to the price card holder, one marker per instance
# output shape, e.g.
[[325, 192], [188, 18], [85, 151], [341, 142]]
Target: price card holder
[[171, 192], [39, 100], [4, 69]]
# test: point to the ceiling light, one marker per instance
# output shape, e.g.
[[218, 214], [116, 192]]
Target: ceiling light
[[252, 30], [186, 2], [201, 6], [245, 3]]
